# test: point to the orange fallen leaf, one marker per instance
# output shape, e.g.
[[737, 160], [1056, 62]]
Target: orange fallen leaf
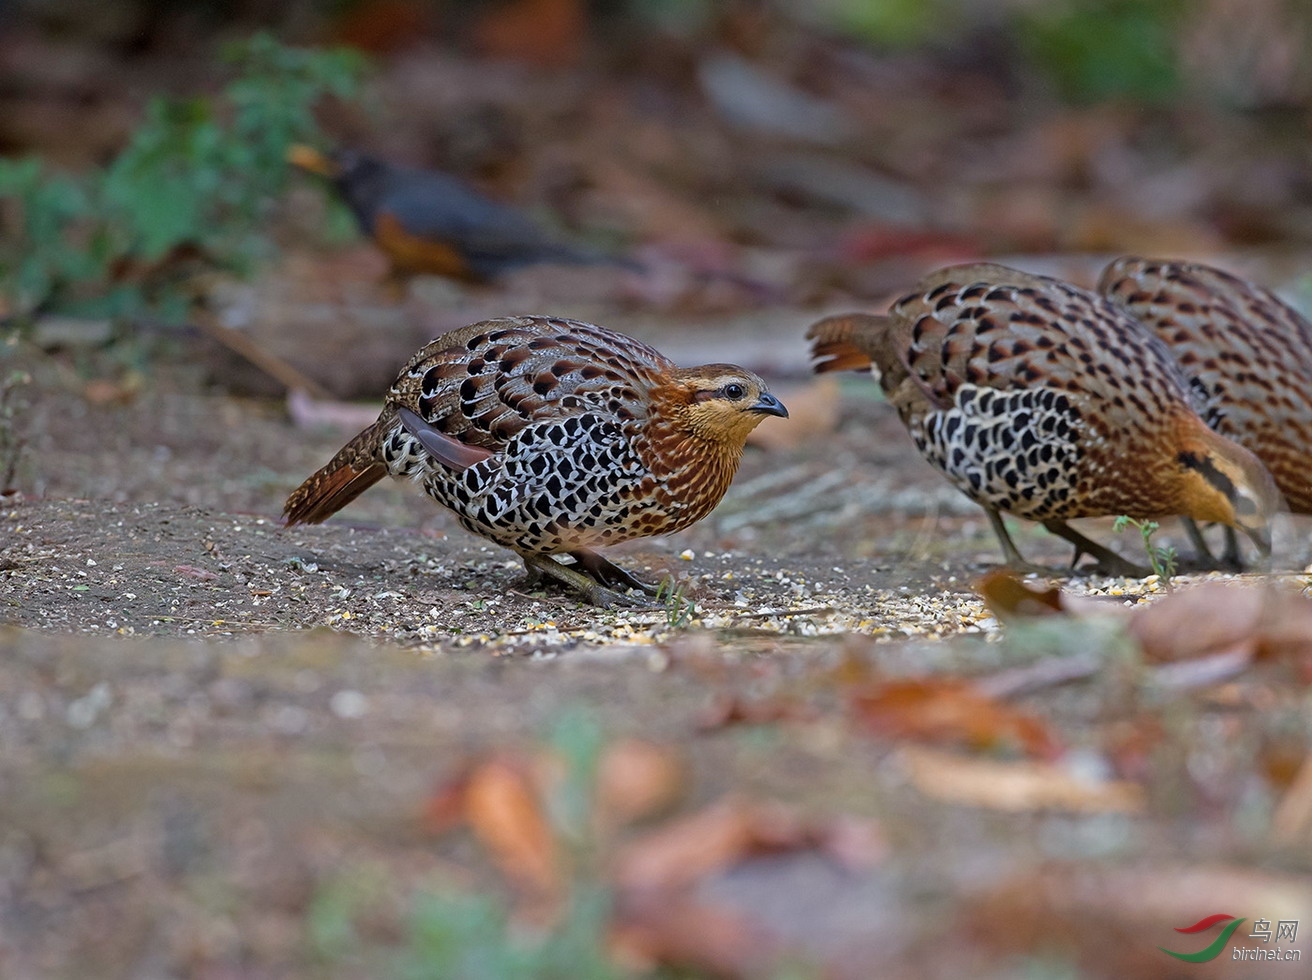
[[691, 847], [1008, 597], [949, 710], [733, 709], [1292, 820], [504, 811], [1014, 786], [1214, 618], [634, 780], [664, 917]]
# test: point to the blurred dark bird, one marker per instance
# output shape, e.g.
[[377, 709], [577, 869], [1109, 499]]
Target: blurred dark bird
[[433, 223], [1246, 354], [553, 437], [1047, 401]]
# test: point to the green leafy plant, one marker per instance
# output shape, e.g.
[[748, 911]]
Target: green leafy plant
[[191, 190], [680, 611], [1163, 558], [1100, 49]]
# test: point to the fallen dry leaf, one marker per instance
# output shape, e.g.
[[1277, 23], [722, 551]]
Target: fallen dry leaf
[[686, 849], [193, 571], [662, 914], [733, 709], [691, 847], [1213, 619], [499, 801], [1014, 786], [1008, 597], [636, 779], [949, 710], [1110, 919], [1292, 821]]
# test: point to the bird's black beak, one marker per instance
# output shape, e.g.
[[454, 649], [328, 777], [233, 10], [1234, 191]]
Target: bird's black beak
[[1261, 538], [309, 159], [767, 404]]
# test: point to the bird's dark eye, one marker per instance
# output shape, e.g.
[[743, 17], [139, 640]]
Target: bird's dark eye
[[734, 391]]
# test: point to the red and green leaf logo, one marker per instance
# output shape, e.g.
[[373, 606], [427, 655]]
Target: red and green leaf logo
[[1218, 944]]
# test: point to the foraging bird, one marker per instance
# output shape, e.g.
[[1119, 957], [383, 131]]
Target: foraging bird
[[1044, 400], [553, 437], [434, 223], [1246, 354]]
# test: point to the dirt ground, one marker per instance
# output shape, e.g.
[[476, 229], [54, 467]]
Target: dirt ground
[[224, 739]]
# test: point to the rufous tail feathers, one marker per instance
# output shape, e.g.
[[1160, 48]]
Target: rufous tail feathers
[[354, 469], [842, 343]]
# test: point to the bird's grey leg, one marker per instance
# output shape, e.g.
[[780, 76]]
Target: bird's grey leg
[[1108, 561], [593, 591], [606, 572], [1010, 553], [1201, 551], [1230, 559]]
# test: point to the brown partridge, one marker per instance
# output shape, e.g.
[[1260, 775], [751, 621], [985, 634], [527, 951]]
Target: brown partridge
[[1246, 354], [1044, 400], [553, 437]]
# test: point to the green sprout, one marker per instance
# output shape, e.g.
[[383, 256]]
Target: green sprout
[[1163, 558], [680, 611]]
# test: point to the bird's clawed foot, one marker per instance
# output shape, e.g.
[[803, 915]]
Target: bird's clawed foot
[[1230, 560], [1106, 561], [606, 572], [594, 590]]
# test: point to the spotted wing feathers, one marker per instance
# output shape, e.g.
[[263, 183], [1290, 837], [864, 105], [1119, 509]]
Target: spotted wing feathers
[[971, 327], [1018, 450], [484, 383], [474, 389]]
